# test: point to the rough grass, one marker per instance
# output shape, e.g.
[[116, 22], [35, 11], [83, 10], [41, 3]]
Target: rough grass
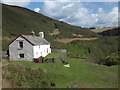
[[54, 54], [18, 76], [81, 74]]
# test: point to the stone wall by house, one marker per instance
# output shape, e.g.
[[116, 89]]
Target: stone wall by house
[[59, 50]]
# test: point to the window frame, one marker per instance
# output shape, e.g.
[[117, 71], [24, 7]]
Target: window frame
[[20, 45], [21, 56]]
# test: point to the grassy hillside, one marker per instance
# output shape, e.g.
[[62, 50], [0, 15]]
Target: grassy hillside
[[96, 50], [18, 76], [17, 20], [81, 74]]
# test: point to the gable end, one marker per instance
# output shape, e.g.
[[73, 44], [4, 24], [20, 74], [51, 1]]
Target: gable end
[[22, 37]]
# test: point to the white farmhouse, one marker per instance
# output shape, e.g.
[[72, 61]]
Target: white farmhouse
[[29, 47]]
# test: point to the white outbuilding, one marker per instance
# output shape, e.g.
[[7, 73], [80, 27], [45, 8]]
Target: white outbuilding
[[29, 47]]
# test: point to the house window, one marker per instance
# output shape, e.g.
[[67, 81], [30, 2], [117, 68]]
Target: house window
[[47, 50], [36, 53], [21, 44], [21, 55]]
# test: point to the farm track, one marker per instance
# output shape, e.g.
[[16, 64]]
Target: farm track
[[68, 40]]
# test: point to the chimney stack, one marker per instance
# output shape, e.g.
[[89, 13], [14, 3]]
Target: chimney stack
[[41, 34], [32, 33]]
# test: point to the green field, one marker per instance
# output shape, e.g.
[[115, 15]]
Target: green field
[[81, 74]]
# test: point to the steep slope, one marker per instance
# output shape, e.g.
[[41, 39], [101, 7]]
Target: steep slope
[[17, 20]]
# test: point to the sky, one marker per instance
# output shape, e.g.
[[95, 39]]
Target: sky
[[76, 12]]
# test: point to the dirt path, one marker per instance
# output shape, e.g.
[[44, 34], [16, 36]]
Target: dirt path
[[67, 40]]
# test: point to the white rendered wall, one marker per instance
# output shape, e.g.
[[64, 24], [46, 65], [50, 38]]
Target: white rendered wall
[[36, 51], [42, 50]]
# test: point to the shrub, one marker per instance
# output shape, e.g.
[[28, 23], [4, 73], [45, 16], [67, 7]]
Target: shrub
[[25, 77], [113, 59]]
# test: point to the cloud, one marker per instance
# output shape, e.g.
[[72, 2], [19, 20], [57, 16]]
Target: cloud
[[16, 2], [77, 14], [100, 11], [107, 19], [59, 9], [113, 15], [37, 9]]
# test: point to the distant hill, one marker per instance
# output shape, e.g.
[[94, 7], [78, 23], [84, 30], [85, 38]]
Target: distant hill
[[112, 32]]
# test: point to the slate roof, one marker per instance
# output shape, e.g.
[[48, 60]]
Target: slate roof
[[35, 40]]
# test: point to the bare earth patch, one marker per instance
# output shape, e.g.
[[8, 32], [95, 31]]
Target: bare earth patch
[[99, 30], [67, 40]]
